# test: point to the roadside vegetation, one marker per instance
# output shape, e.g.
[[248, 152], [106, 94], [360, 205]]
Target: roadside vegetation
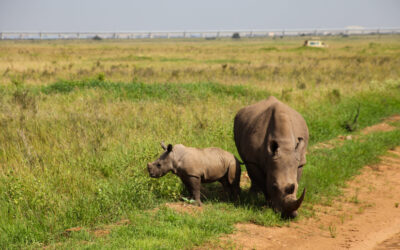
[[79, 120]]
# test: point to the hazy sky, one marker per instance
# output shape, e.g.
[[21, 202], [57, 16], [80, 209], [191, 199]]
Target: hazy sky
[[158, 15]]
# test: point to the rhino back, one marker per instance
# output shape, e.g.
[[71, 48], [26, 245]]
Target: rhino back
[[250, 127], [210, 164], [253, 124]]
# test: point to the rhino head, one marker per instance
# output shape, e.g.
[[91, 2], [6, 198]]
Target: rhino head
[[283, 160], [163, 164]]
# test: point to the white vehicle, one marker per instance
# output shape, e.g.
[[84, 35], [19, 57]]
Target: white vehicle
[[315, 43]]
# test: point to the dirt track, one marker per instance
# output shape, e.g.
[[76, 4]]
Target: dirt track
[[367, 216]]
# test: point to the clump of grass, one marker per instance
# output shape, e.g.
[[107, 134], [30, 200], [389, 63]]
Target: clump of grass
[[352, 125], [354, 198], [332, 231], [286, 94], [101, 77], [334, 96], [269, 49], [301, 85]]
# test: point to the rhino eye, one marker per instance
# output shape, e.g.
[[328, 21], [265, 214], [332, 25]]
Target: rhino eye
[[158, 165]]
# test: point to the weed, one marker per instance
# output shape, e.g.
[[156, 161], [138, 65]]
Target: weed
[[101, 77], [332, 231], [286, 94], [334, 96], [352, 124], [301, 85], [354, 199], [342, 218], [360, 210]]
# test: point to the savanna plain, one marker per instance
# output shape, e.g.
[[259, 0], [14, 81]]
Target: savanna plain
[[79, 120]]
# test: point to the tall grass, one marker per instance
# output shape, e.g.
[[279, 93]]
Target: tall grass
[[73, 152], [267, 63], [166, 228]]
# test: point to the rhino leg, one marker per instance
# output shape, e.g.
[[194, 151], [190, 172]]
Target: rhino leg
[[229, 189], [188, 187], [195, 183], [226, 186], [257, 178], [235, 189], [235, 185]]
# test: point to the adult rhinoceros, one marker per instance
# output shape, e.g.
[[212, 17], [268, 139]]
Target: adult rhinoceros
[[271, 139]]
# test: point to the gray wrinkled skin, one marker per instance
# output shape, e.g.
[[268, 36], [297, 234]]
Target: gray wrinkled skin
[[271, 139], [195, 166]]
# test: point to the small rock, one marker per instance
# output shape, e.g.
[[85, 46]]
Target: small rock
[[348, 137]]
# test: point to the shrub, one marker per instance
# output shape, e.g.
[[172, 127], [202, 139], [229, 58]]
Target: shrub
[[236, 35]]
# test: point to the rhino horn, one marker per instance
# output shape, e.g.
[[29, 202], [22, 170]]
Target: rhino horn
[[293, 205]]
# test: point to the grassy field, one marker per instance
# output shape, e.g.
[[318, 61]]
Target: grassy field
[[79, 120]]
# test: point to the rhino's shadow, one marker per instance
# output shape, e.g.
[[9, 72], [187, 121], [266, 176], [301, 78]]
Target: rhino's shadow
[[214, 193]]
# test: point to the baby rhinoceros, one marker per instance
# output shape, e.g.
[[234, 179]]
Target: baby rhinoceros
[[195, 166]]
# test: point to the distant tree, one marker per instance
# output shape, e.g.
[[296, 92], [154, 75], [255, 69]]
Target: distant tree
[[97, 38], [236, 35]]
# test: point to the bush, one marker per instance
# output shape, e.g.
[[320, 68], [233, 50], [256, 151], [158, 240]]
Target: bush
[[236, 35]]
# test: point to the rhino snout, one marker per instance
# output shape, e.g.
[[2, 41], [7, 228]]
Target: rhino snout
[[290, 206], [284, 199], [150, 170], [284, 191], [289, 189]]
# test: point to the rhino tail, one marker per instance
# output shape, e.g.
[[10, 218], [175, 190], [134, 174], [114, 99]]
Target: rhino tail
[[234, 172]]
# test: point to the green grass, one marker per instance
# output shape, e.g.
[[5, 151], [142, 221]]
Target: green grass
[[166, 229], [269, 49], [321, 125], [83, 164], [155, 92], [76, 130]]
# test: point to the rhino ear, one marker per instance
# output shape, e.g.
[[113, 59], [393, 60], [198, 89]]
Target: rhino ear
[[163, 146], [300, 144], [169, 149], [273, 148]]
